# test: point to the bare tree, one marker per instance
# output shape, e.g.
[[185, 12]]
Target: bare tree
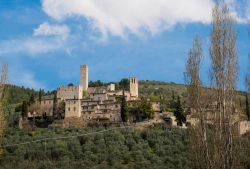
[[3, 101], [197, 103], [224, 70], [214, 106]]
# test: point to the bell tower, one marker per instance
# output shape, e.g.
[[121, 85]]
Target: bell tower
[[133, 86], [84, 77]]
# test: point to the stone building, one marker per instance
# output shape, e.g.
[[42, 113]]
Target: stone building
[[38, 109], [94, 103]]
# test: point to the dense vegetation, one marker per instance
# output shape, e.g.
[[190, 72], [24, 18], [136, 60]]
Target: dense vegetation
[[121, 148]]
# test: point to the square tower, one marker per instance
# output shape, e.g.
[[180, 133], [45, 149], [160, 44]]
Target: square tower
[[84, 77], [133, 87]]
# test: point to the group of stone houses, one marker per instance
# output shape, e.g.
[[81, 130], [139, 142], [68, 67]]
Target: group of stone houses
[[90, 103], [96, 104]]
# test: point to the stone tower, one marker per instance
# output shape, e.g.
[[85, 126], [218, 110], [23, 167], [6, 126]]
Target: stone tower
[[133, 87], [84, 77]]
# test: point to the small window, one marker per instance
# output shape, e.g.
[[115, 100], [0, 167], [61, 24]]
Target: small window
[[69, 109], [74, 109]]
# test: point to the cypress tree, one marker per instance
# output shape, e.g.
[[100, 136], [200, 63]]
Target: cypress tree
[[32, 99], [40, 95], [124, 108], [25, 109], [247, 107], [179, 113]]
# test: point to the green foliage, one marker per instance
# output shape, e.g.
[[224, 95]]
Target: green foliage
[[179, 113], [123, 84], [84, 93], [97, 83], [121, 148], [20, 94], [40, 95], [25, 109], [32, 99], [124, 109], [143, 110]]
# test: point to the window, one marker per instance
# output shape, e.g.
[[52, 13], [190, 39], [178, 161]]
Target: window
[[69, 109], [74, 109]]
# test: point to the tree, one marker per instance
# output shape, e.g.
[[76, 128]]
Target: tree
[[97, 83], [224, 71], [197, 103], [172, 101], [40, 95], [124, 108], [3, 102], [55, 103], [214, 142], [179, 113], [247, 83], [124, 84], [32, 99], [24, 109], [247, 108]]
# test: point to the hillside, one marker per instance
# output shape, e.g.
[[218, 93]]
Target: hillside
[[157, 88], [120, 148]]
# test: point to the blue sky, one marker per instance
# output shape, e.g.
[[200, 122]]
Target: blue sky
[[44, 42]]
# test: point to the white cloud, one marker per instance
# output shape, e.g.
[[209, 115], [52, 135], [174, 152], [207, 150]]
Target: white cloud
[[47, 29], [121, 17], [31, 46]]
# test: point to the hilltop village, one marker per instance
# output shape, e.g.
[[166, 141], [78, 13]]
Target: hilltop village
[[85, 105], [82, 103]]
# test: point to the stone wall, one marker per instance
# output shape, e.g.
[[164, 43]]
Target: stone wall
[[69, 92], [72, 108]]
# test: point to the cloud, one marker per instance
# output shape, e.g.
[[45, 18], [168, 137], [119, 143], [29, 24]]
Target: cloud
[[47, 29], [123, 17], [31, 46]]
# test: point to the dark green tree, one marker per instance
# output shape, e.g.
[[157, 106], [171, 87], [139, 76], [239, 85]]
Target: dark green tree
[[124, 84], [179, 113], [97, 83], [145, 109], [55, 103], [124, 108], [40, 95], [247, 108], [173, 101], [32, 99], [24, 109]]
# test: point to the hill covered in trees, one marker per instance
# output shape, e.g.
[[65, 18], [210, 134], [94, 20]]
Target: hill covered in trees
[[120, 148]]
